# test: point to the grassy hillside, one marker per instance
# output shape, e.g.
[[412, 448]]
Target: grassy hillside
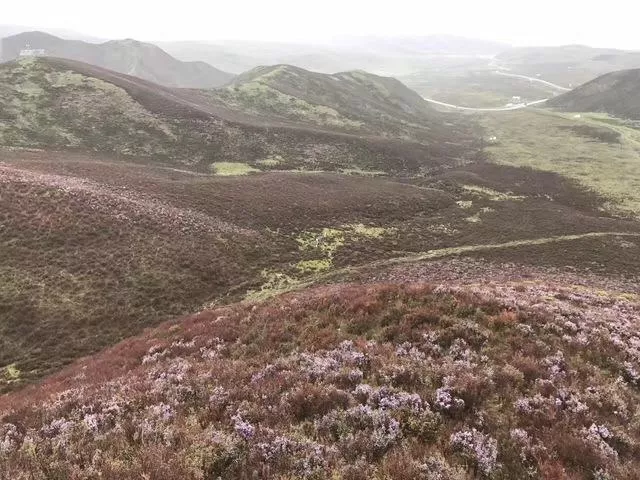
[[86, 263], [599, 152], [46, 106], [617, 94], [350, 101], [381, 381], [140, 59], [55, 103]]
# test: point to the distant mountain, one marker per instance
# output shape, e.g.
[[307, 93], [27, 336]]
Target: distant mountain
[[616, 93], [569, 65], [382, 55], [8, 30], [142, 60]]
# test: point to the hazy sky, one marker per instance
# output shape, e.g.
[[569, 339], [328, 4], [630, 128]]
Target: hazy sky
[[541, 22]]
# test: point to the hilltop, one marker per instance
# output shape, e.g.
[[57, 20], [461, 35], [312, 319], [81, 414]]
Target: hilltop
[[58, 103], [143, 60], [616, 93]]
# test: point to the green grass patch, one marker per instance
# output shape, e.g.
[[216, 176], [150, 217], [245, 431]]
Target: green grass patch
[[228, 169], [11, 373], [274, 282], [273, 161], [314, 266], [368, 231], [328, 240], [541, 140]]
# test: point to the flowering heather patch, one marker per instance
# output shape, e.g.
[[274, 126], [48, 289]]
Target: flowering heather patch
[[342, 382], [482, 449]]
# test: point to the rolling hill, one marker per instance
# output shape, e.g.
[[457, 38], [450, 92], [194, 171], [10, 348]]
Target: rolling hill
[[351, 101], [95, 249], [378, 125], [617, 94], [8, 30], [135, 58]]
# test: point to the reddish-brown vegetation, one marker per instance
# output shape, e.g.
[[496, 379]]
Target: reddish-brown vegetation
[[238, 391]]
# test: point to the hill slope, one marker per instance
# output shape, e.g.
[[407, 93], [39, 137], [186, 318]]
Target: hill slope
[[398, 382], [142, 60], [67, 104], [616, 93]]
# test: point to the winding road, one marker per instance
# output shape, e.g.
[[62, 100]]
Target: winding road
[[495, 109], [506, 108], [533, 79]]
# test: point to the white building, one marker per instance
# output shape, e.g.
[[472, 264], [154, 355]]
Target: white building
[[27, 51]]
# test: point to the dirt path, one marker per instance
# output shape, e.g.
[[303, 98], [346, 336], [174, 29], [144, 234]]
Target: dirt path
[[445, 252], [438, 254]]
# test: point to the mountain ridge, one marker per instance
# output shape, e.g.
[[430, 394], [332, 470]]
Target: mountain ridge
[[128, 56]]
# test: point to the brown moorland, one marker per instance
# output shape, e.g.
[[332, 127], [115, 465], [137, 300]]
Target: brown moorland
[[95, 251]]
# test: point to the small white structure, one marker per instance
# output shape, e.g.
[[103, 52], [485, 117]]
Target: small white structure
[[516, 99], [27, 51]]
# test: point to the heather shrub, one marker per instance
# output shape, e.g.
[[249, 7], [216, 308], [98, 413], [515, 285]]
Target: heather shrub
[[239, 393]]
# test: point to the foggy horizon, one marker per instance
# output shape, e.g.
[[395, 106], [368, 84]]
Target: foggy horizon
[[547, 23]]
